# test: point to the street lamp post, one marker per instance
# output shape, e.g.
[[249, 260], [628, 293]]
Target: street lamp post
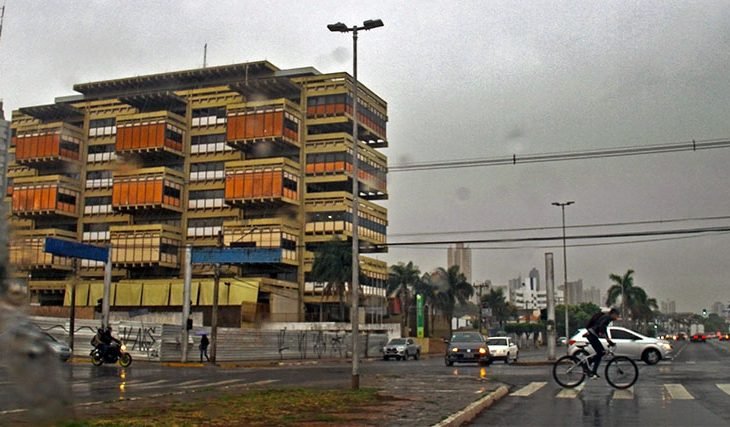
[[565, 268], [355, 288]]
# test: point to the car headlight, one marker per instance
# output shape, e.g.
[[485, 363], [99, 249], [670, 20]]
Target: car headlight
[[482, 350], [454, 350]]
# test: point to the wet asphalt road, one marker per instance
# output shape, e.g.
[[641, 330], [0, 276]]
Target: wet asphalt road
[[691, 390]]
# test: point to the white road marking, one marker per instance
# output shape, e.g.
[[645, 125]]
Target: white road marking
[[189, 382], [724, 387], [626, 394], [529, 389], [678, 392], [570, 393]]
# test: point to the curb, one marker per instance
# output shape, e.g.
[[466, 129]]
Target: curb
[[535, 363], [470, 412]]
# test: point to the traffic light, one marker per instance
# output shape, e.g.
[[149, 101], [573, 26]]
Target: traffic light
[[99, 302], [189, 324], [704, 312]]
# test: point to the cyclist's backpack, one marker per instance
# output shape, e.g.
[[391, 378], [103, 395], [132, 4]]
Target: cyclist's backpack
[[594, 320]]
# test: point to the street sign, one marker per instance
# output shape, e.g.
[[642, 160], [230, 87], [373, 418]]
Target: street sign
[[71, 249], [236, 255]]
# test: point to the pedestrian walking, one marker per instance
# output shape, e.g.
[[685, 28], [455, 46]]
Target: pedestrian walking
[[204, 342]]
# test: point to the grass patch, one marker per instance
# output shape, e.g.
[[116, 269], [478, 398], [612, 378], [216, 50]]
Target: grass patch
[[281, 407]]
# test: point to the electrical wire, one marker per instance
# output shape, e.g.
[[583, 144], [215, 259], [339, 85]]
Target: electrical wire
[[600, 153]]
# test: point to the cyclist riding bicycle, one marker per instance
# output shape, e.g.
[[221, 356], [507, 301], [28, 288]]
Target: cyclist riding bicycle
[[597, 329]]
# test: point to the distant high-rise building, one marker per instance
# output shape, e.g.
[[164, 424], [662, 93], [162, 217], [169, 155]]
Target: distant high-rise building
[[575, 292], [460, 255], [718, 308], [514, 285], [593, 295], [668, 307], [535, 278]]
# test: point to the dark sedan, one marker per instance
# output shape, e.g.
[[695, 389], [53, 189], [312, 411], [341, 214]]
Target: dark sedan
[[467, 347]]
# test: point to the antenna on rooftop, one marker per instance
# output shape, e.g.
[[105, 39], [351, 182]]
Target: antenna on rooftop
[[2, 16], [205, 55]]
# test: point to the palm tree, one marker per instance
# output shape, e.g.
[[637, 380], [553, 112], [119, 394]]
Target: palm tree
[[333, 266], [450, 287], [426, 289], [401, 278], [634, 301]]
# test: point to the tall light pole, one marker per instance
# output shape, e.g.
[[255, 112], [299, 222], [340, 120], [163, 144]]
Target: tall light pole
[[355, 288], [565, 268]]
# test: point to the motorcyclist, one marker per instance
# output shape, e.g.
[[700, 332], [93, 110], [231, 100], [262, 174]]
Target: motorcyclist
[[107, 341]]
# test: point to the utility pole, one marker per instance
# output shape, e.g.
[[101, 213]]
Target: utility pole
[[550, 287], [72, 316], [186, 300], [565, 268], [214, 314], [355, 288]]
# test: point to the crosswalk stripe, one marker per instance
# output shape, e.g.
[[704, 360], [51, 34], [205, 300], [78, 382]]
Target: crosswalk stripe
[[626, 394], [189, 382], [570, 393], [529, 389], [724, 387], [678, 392]]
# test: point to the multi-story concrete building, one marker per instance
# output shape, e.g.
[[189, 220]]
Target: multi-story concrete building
[[249, 154], [535, 278], [668, 307], [4, 145], [593, 295], [718, 308], [575, 292], [460, 255]]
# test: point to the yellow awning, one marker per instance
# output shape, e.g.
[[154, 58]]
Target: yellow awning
[[96, 292], [155, 293], [128, 293], [176, 290], [243, 291], [82, 294]]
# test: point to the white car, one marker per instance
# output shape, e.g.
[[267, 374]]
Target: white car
[[628, 343], [502, 348]]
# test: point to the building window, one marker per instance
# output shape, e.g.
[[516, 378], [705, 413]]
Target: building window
[[103, 127], [209, 116]]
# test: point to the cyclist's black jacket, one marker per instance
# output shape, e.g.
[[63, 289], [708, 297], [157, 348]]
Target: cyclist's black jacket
[[598, 324]]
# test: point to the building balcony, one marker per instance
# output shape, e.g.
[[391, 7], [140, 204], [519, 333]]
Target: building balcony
[[154, 245], [273, 181], [156, 135], [329, 108], [269, 233], [26, 250], [273, 121], [329, 165], [53, 195], [157, 188], [330, 214], [48, 145]]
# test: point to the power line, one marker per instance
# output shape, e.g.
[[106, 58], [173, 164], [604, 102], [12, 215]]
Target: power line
[[575, 237], [576, 245], [600, 153], [557, 227]]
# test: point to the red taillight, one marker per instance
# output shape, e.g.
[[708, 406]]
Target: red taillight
[[571, 342]]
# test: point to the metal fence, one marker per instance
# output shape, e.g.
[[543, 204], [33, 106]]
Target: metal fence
[[157, 342]]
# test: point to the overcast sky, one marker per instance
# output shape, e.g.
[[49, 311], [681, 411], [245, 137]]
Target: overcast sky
[[465, 80]]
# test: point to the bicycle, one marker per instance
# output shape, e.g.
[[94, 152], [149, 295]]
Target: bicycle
[[571, 370]]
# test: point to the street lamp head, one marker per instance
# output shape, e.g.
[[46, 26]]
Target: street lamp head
[[338, 27], [372, 23]]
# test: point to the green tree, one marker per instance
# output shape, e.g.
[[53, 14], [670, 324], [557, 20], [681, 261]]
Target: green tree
[[578, 316], [333, 266], [402, 279], [636, 306], [501, 309], [450, 287]]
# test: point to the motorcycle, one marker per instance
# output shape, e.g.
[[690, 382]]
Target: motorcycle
[[115, 353]]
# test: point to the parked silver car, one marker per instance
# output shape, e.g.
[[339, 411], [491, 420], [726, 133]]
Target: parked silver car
[[402, 349], [628, 343]]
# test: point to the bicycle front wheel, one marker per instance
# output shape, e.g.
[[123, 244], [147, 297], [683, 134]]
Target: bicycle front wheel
[[621, 372], [568, 371]]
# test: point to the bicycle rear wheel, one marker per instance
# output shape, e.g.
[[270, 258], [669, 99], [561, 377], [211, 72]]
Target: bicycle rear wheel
[[568, 371], [621, 372]]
